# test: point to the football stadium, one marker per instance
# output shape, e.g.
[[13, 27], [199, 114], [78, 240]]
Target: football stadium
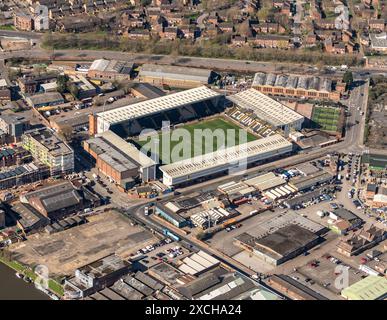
[[205, 136], [193, 134]]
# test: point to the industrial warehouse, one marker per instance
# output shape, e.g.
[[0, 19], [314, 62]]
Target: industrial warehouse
[[223, 160], [179, 77], [298, 86], [281, 239], [268, 109]]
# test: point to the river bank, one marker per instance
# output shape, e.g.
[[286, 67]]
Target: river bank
[[13, 288]]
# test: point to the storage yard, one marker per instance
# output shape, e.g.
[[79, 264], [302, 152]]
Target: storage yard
[[65, 251]]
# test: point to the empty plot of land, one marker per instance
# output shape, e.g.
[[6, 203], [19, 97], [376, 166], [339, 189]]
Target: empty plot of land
[[65, 251]]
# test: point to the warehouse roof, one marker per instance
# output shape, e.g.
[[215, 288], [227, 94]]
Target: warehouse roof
[[170, 213], [156, 105], [293, 81], [55, 197], [103, 65], [265, 181], [174, 72], [284, 241], [28, 217], [118, 153], [345, 214], [46, 98], [265, 107], [225, 156], [148, 91], [311, 180], [370, 288]]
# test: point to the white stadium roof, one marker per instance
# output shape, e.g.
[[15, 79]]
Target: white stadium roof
[[265, 108], [156, 105], [225, 156]]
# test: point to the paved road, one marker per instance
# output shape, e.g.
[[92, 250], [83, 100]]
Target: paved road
[[137, 213], [356, 122], [21, 34]]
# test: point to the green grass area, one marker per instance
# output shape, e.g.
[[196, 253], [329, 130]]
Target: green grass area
[[215, 134], [326, 118], [53, 285], [7, 27]]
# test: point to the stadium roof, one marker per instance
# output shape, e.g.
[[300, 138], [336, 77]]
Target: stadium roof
[[118, 153], [370, 288], [265, 107], [225, 156], [152, 106], [173, 72]]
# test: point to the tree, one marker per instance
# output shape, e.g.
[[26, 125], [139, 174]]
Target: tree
[[62, 82], [66, 132], [348, 78], [202, 235], [73, 89]]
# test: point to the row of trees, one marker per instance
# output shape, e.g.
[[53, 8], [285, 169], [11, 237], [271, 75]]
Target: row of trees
[[214, 48]]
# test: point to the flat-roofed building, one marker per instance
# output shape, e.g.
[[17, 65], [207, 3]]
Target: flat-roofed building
[[370, 288], [220, 161], [12, 126], [266, 181], [173, 76], [312, 180], [96, 276], [297, 86], [281, 245], [268, 109], [45, 99], [120, 160], [48, 148], [146, 90], [120, 119]]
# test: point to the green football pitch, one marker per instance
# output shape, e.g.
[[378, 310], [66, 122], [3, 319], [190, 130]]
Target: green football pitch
[[195, 139], [326, 118]]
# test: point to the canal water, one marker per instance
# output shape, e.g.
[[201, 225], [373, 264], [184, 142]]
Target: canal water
[[13, 288]]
